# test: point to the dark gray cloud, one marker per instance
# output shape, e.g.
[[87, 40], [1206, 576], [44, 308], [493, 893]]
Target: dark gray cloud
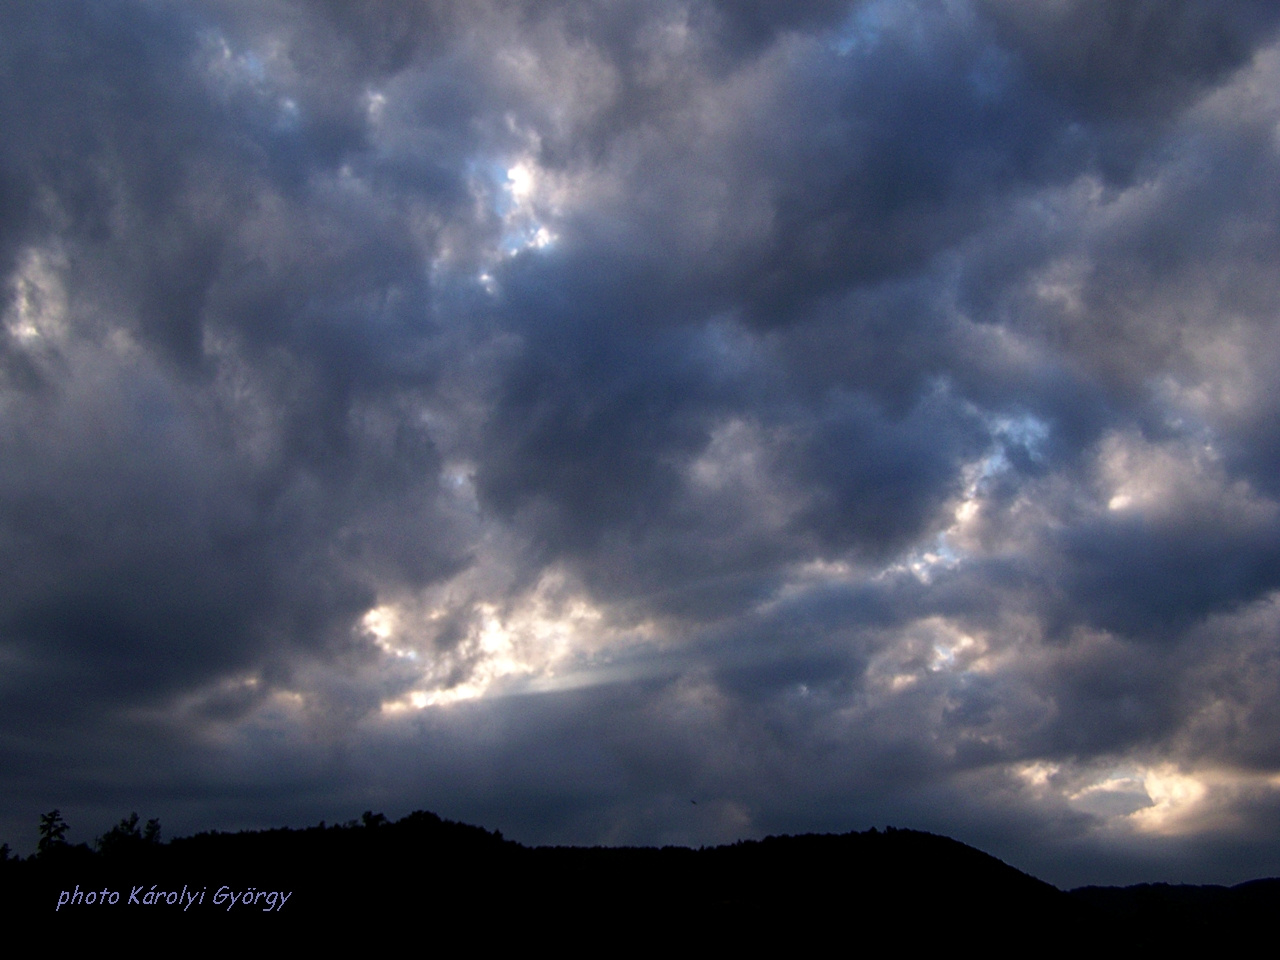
[[833, 413], [1107, 59]]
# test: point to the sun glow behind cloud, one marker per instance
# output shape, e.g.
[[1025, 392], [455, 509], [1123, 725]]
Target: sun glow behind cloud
[[521, 197], [38, 307], [550, 639], [522, 225], [1139, 799]]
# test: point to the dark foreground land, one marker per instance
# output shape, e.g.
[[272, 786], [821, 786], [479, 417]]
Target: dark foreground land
[[428, 877]]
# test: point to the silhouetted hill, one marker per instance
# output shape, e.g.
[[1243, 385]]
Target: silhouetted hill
[[1205, 913], [423, 873]]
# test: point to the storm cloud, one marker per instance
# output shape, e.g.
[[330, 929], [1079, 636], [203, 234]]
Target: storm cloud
[[833, 413]]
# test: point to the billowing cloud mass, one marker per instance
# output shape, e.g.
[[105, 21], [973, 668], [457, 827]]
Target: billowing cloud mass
[[832, 413]]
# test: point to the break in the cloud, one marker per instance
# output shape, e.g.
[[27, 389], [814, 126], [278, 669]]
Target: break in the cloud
[[834, 413]]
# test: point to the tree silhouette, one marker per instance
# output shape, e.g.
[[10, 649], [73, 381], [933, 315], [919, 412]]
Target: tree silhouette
[[125, 839], [53, 832], [120, 838]]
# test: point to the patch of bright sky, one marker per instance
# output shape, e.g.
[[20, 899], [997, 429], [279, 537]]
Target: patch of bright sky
[[930, 647], [1160, 799], [923, 562], [1119, 793], [375, 106], [522, 228], [228, 67], [1036, 774], [289, 116], [1024, 431], [868, 22], [513, 193], [459, 479], [862, 29], [38, 307], [231, 70], [956, 653], [553, 638]]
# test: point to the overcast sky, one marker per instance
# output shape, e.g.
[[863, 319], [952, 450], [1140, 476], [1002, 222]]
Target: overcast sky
[[647, 422]]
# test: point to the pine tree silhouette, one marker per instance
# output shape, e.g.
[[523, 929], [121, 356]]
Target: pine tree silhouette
[[53, 832]]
